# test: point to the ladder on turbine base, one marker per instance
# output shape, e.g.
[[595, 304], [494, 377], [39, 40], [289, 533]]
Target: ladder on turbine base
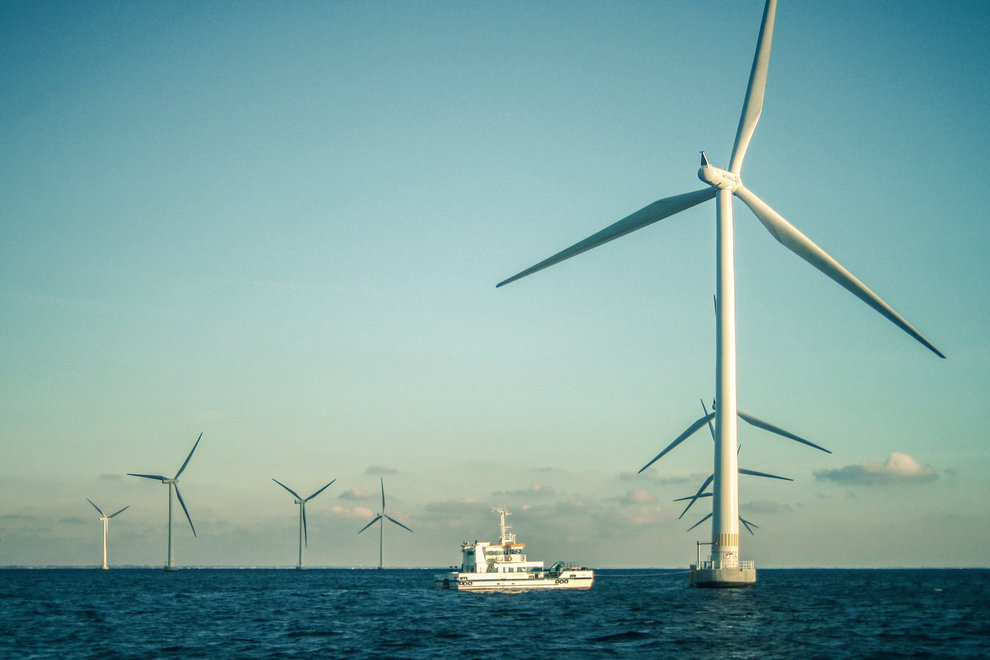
[[721, 574]]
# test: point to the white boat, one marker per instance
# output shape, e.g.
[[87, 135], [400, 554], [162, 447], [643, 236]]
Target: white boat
[[503, 566]]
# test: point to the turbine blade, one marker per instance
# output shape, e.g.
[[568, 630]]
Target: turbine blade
[[188, 457], [157, 477], [397, 523], [98, 508], [184, 509], [754, 473], [766, 426], [753, 105], [697, 495], [691, 497], [121, 511], [749, 525], [681, 438], [699, 522], [319, 491], [803, 246], [305, 533], [711, 429], [373, 521], [294, 493], [383, 493], [645, 216]]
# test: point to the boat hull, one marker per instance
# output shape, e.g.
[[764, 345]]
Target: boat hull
[[567, 579]]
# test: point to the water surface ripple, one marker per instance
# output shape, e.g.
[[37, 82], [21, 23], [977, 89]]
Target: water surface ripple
[[258, 613]]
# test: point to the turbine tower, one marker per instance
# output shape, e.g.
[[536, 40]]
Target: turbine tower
[[725, 567], [106, 527], [173, 484], [380, 519], [303, 534]]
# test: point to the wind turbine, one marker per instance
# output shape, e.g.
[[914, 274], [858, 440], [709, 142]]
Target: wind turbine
[[106, 527], [303, 535], [380, 519], [173, 484], [725, 568]]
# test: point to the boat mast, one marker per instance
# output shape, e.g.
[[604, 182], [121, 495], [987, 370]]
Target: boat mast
[[505, 537]]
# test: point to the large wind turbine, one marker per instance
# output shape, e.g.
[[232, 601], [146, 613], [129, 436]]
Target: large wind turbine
[[725, 568], [173, 484], [380, 519], [301, 501], [106, 526]]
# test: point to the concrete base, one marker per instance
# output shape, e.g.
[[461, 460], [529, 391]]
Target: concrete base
[[720, 578]]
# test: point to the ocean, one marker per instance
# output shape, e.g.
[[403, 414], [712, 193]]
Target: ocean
[[268, 613]]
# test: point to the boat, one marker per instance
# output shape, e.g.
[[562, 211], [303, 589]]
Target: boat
[[503, 566]]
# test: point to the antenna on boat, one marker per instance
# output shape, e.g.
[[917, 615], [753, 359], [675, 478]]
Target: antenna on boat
[[505, 536]]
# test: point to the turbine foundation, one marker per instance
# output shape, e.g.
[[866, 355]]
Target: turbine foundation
[[711, 575], [721, 574]]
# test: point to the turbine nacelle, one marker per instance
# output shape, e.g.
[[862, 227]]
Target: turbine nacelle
[[717, 177]]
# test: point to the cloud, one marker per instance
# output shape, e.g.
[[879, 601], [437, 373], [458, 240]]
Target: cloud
[[898, 468], [458, 504], [357, 512], [653, 476], [637, 496], [357, 494], [765, 506], [535, 488], [380, 469]]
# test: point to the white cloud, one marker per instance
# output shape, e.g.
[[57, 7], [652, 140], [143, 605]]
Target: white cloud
[[898, 468], [357, 494], [356, 512], [638, 496], [535, 488], [764, 506], [655, 477]]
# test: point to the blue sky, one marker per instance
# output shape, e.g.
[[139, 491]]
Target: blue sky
[[281, 225]]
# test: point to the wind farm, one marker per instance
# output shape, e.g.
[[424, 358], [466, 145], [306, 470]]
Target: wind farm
[[287, 234], [173, 485], [380, 519], [725, 568], [301, 501]]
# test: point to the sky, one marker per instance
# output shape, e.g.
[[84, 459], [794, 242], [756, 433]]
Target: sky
[[281, 224]]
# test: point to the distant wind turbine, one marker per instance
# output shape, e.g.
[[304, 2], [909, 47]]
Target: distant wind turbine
[[691, 499], [380, 519], [106, 527], [725, 568], [173, 484], [301, 501]]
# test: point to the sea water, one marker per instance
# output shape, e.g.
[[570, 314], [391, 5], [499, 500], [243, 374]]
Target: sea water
[[266, 613]]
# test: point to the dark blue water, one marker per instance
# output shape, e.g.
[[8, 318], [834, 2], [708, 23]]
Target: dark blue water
[[141, 613]]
